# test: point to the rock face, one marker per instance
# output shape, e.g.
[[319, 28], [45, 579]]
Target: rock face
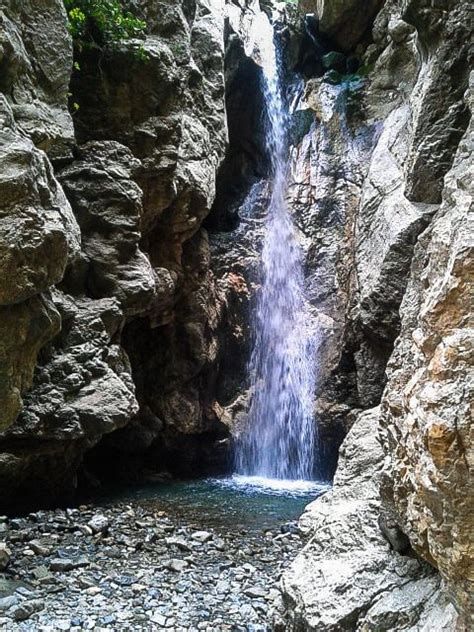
[[346, 21], [426, 483], [150, 134], [348, 577], [38, 233], [427, 416]]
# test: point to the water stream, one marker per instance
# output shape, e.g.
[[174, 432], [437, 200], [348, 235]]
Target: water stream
[[280, 441]]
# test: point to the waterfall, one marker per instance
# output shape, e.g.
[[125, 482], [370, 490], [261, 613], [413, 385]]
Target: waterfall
[[280, 440]]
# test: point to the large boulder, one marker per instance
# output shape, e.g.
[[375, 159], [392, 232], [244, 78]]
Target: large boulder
[[348, 576]]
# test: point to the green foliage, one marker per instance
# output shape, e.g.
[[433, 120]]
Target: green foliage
[[101, 22]]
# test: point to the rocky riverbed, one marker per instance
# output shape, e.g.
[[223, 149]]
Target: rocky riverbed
[[132, 565]]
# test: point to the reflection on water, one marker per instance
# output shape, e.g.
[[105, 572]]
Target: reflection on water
[[239, 502]]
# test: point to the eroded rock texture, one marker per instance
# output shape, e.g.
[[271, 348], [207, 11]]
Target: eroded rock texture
[[38, 232], [129, 263], [348, 577], [426, 420], [427, 406]]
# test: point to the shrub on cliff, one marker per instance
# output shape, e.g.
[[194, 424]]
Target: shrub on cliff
[[101, 22]]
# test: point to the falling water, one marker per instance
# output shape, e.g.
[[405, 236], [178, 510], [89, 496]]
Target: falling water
[[280, 440]]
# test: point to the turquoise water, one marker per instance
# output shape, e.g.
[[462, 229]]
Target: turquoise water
[[246, 503]]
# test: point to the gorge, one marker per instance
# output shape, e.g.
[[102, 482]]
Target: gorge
[[236, 238]]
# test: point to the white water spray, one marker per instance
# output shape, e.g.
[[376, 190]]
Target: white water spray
[[280, 441]]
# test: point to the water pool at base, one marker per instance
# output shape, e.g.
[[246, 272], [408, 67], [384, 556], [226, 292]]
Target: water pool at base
[[237, 502]]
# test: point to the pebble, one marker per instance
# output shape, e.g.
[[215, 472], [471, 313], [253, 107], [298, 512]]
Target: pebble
[[125, 567], [176, 565], [201, 536], [5, 554]]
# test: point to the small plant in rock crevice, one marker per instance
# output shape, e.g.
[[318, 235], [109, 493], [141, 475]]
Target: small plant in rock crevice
[[100, 23]]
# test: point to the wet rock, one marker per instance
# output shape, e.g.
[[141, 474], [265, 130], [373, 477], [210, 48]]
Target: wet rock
[[334, 61]]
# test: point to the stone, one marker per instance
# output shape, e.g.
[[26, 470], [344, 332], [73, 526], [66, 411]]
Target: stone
[[99, 523], [24, 610], [201, 536], [5, 555], [39, 548], [176, 565], [64, 564], [256, 592], [180, 543], [8, 602]]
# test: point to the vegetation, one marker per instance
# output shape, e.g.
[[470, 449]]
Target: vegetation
[[101, 22]]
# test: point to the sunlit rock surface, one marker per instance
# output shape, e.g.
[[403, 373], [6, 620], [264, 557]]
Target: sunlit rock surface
[[427, 406], [347, 577]]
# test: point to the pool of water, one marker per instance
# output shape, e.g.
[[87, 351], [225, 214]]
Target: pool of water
[[237, 502]]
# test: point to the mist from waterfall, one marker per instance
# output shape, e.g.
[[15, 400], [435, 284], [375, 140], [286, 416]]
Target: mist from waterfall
[[280, 440]]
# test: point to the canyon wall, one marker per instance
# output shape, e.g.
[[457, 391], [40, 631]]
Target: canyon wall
[[403, 489], [129, 263]]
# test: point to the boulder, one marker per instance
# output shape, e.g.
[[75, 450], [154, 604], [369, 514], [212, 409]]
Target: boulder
[[347, 577]]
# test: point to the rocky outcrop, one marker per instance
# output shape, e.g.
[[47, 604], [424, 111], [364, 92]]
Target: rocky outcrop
[[162, 102], [348, 576], [129, 252], [426, 418], [33, 77], [346, 21], [38, 232]]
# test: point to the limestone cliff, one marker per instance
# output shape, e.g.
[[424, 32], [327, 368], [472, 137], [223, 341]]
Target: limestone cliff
[[420, 484]]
